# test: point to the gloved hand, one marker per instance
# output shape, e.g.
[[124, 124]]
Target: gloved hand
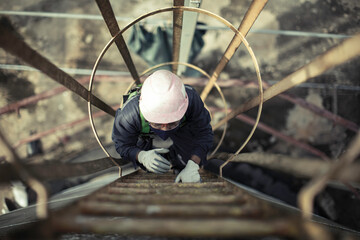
[[189, 174], [153, 161]]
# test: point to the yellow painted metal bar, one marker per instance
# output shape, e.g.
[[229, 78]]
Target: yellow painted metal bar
[[251, 15]]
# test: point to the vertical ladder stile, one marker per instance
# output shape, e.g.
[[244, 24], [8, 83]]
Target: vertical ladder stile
[[110, 20], [177, 29]]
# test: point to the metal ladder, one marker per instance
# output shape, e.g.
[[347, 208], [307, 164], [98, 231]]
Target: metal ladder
[[153, 205]]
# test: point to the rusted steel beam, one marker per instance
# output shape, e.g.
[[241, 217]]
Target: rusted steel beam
[[11, 42], [164, 180], [172, 199], [177, 29], [250, 17], [141, 175], [145, 180], [167, 177], [169, 190], [200, 210], [55, 171], [340, 54], [148, 175], [172, 185], [110, 20]]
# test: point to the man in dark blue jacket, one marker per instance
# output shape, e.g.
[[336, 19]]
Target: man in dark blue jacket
[[178, 128]]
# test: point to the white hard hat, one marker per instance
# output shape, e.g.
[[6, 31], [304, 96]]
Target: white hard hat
[[163, 98]]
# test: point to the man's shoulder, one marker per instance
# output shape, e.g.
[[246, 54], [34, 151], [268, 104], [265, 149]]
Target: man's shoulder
[[191, 92], [132, 103], [130, 109], [188, 88]]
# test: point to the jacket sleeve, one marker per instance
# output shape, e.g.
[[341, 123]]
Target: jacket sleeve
[[199, 119], [125, 133]]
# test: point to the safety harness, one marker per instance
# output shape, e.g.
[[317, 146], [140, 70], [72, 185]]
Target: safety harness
[[145, 127]]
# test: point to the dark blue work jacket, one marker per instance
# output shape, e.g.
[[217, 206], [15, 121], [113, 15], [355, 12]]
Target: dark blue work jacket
[[194, 137]]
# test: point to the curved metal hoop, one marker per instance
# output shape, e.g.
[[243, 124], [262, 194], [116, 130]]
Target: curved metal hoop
[[198, 10]]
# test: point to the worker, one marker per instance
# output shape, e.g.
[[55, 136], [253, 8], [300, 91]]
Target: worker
[[165, 126]]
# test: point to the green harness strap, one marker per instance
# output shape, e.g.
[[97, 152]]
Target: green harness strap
[[145, 128]]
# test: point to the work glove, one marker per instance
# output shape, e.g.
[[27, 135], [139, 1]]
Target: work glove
[[189, 174], [153, 161]]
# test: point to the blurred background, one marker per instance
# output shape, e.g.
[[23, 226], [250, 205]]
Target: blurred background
[[286, 36]]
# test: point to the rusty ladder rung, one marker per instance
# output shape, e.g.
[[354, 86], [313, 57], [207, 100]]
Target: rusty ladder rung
[[147, 210], [212, 227], [173, 198]]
